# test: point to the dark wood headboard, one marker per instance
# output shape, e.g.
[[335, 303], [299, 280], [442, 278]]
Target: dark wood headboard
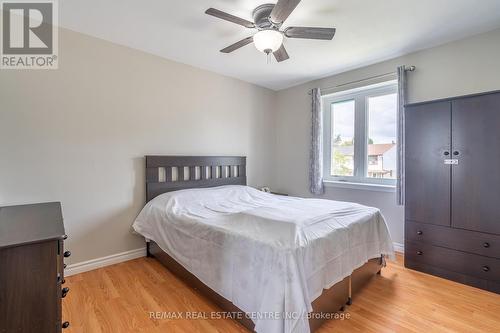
[[172, 173]]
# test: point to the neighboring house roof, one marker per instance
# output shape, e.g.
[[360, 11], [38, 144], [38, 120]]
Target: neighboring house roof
[[379, 148], [376, 149]]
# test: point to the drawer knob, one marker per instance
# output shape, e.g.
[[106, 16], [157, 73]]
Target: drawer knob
[[486, 245], [65, 237], [419, 232], [486, 269], [65, 324], [446, 153], [420, 253], [456, 153], [67, 254], [65, 291]]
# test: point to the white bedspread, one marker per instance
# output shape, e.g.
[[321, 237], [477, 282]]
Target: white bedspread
[[270, 255]]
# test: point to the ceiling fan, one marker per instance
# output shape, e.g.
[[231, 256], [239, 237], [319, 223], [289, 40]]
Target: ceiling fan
[[268, 19]]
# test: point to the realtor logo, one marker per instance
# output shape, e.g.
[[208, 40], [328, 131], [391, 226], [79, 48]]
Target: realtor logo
[[29, 35]]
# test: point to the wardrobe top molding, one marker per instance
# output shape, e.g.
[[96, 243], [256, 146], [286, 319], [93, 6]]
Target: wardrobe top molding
[[448, 99]]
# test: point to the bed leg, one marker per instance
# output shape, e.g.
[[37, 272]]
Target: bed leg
[[148, 254], [382, 263], [349, 299]]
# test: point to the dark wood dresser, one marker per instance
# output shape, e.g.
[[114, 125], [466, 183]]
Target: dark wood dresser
[[32, 268], [452, 211]]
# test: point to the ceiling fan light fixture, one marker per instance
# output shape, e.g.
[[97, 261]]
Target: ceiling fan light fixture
[[268, 19], [268, 41]]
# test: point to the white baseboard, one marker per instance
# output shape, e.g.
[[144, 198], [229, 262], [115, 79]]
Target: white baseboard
[[398, 247], [89, 265]]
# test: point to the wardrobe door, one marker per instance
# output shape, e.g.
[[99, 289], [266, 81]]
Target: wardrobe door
[[476, 177], [427, 145]]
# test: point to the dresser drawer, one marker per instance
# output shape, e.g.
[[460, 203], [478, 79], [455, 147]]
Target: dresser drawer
[[457, 239], [456, 261]]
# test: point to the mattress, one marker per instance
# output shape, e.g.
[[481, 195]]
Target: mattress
[[269, 255]]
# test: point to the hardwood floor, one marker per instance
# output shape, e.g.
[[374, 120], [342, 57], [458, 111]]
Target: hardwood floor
[[120, 298]]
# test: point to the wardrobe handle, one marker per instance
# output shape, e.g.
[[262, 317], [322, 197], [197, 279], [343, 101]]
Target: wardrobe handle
[[420, 253], [486, 245], [456, 153], [64, 292], [486, 269], [419, 232], [65, 324], [67, 254], [446, 153]]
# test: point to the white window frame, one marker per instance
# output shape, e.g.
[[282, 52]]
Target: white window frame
[[360, 97]]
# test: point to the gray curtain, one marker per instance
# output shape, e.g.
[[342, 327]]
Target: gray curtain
[[402, 95], [316, 153]]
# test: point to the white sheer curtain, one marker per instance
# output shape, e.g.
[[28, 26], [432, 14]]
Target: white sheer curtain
[[316, 153]]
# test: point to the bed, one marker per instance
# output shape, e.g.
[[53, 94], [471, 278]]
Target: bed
[[276, 263]]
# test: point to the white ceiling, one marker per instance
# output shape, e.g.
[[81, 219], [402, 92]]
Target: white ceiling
[[368, 31]]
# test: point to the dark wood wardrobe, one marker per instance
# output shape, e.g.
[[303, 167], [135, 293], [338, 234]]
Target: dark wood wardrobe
[[452, 167], [32, 268]]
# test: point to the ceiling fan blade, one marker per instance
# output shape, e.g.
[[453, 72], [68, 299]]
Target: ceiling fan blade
[[228, 17], [281, 54], [310, 33], [282, 10], [237, 45]]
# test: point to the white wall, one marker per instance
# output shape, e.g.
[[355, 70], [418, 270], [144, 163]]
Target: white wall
[[78, 134], [462, 67]]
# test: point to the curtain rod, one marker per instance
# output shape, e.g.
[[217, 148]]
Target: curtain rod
[[407, 69]]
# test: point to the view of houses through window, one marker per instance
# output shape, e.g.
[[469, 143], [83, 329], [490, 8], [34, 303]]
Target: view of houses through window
[[376, 109], [382, 128]]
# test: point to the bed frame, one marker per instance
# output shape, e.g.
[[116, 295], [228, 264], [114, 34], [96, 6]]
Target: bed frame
[[171, 173]]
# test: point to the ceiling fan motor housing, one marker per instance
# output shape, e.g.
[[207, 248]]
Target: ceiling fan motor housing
[[261, 16]]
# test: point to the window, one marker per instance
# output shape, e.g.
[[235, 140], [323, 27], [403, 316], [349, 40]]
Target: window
[[342, 120], [360, 135]]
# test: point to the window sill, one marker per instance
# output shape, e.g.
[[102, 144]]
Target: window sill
[[360, 186]]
